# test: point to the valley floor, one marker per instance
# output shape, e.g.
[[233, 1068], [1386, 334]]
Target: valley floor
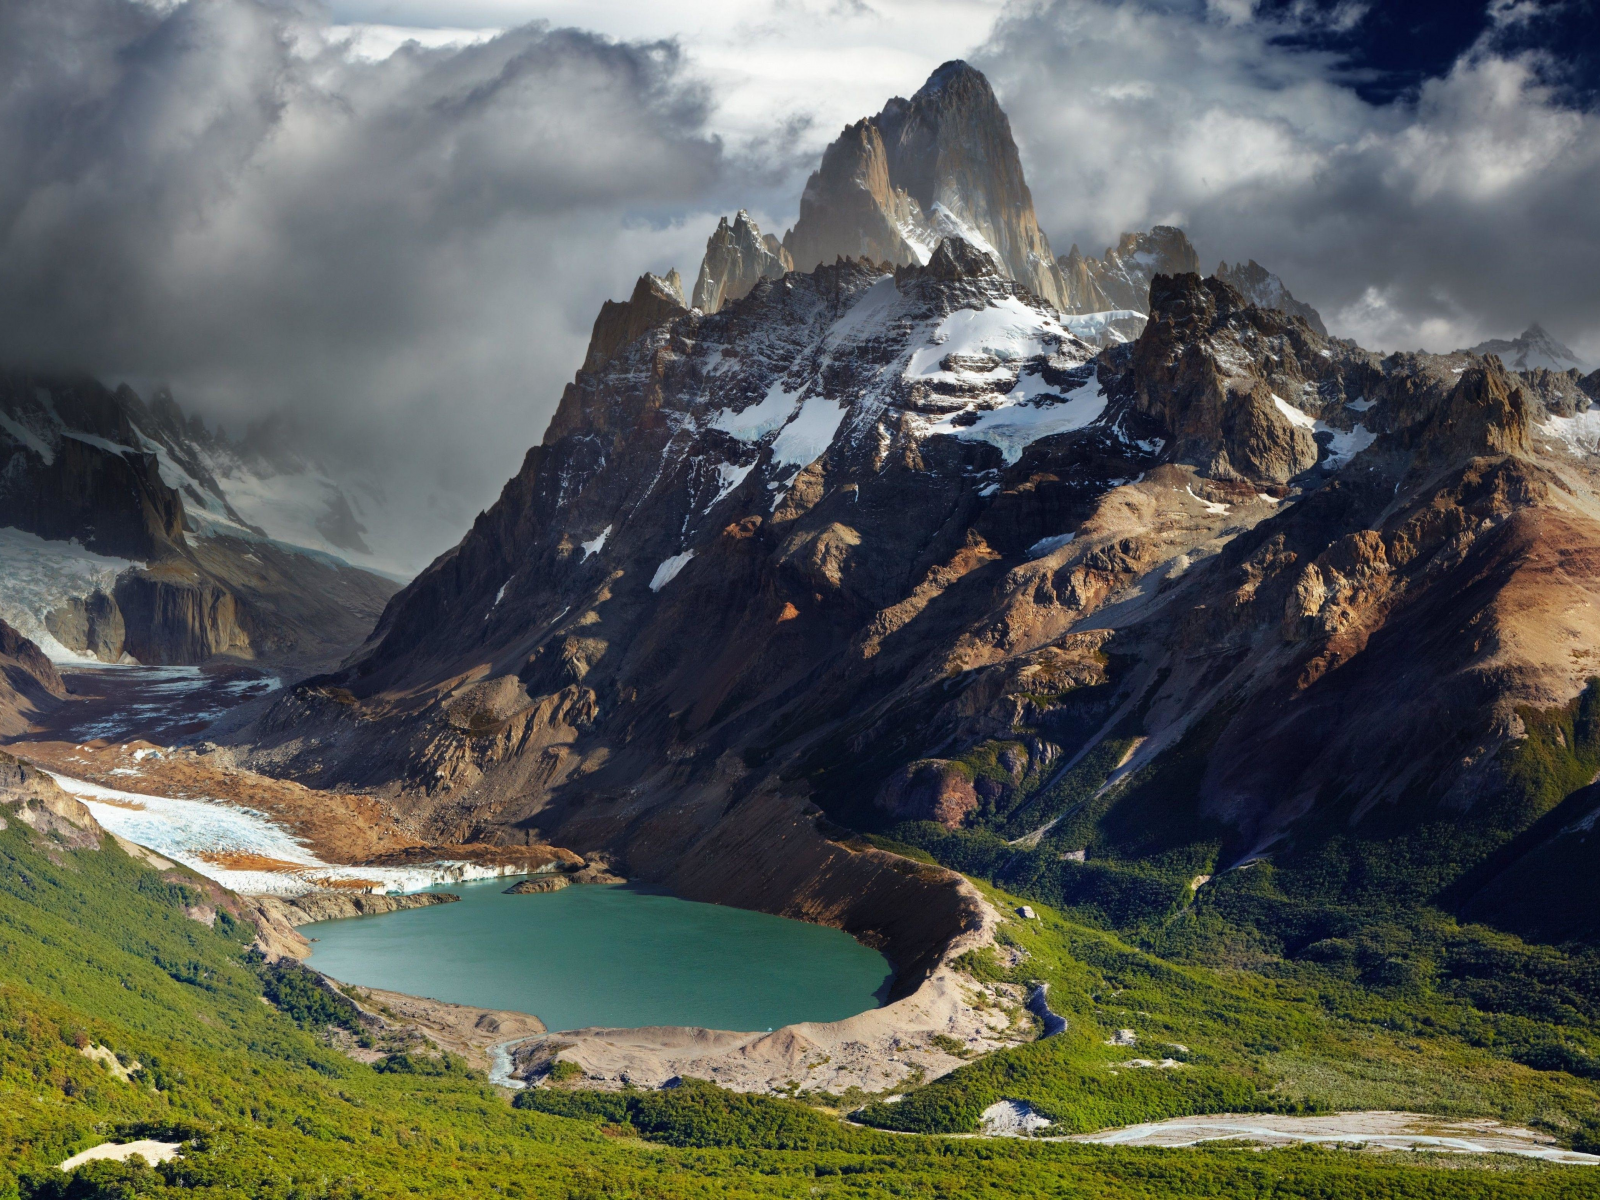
[[278, 1086]]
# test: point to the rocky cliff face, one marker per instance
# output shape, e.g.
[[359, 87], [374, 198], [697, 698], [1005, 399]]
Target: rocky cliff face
[[1121, 280], [738, 256], [150, 558], [1265, 290], [940, 164], [29, 684]]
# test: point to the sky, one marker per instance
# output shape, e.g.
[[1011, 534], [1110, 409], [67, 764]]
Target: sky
[[387, 224]]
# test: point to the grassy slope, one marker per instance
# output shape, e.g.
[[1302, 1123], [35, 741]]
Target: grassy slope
[[95, 949]]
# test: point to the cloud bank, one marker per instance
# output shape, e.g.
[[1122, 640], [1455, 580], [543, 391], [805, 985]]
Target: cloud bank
[[267, 205], [402, 256], [1461, 210]]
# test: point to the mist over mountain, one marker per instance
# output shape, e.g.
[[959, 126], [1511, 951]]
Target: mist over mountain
[[399, 252]]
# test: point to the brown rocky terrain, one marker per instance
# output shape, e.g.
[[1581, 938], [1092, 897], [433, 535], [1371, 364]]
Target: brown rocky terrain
[[940, 164], [29, 684]]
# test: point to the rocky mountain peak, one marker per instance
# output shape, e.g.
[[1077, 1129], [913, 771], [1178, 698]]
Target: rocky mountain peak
[[1121, 280], [957, 258], [1261, 287], [1533, 349], [655, 300], [940, 164], [738, 255]]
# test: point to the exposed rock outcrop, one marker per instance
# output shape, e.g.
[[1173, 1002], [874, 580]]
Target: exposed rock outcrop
[[1121, 280], [30, 796], [29, 683], [336, 906], [1265, 290], [942, 164], [534, 887], [90, 624], [738, 256], [655, 300]]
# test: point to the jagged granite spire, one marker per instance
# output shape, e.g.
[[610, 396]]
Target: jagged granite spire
[[737, 257], [1265, 290], [940, 164], [1121, 280]]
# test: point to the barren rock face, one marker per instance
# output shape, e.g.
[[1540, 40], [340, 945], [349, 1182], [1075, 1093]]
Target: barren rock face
[[737, 257], [883, 541], [29, 683], [30, 796], [1121, 280], [1265, 290], [938, 165]]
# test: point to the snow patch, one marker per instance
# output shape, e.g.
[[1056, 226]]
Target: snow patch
[[1346, 444], [1091, 327], [1211, 506], [757, 421], [668, 570], [29, 438], [1049, 545], [204, 835], [728, 478], [866, 316], [1014, 426], [1008, 330], [1580, 433], [595, 545], [1295, 416], [806, 438]]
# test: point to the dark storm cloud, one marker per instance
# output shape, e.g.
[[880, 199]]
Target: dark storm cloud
[[1462, 209], [402, 255]]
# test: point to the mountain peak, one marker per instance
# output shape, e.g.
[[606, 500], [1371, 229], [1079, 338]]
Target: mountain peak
[[1535, 348], [955, 73], [738, 256], [942, 164]]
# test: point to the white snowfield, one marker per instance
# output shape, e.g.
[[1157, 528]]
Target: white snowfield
[[207, 835], [37, 576], [1580, 433]]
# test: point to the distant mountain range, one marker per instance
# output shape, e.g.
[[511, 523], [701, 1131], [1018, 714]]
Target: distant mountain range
[[877, 531], [133, 531]]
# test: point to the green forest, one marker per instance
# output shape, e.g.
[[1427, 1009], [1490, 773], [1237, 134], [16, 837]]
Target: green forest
[[235, 1059]]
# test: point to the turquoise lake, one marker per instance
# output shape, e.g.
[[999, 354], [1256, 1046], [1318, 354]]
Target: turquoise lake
[[619, 956]]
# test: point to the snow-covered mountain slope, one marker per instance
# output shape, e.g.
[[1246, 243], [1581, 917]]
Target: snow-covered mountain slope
[[861, 535], [1534, 349], [124, 538]]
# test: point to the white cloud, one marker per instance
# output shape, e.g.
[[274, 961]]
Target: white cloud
[[1462, 212]]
